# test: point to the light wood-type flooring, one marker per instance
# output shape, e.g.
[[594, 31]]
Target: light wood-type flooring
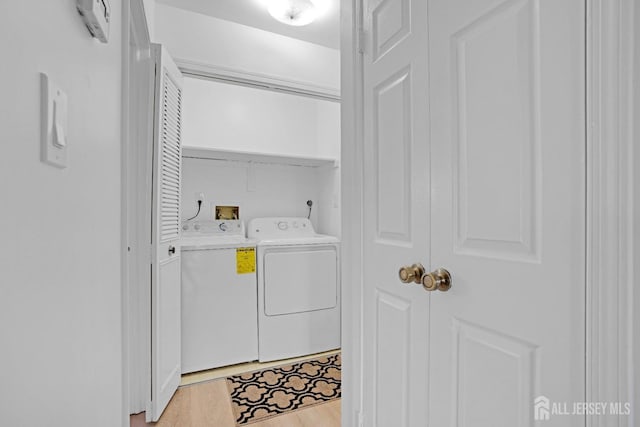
[[208, 404]]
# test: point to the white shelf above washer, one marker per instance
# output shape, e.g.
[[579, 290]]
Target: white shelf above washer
[[252, 157]]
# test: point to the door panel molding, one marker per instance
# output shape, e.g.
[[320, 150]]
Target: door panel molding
[[386, 37], [392, 359], [612, 241], [481, 54], [482, 351], [393, 210]]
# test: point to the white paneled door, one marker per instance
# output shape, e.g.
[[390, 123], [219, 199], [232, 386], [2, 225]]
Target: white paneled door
[[474, 162], [165, 267]]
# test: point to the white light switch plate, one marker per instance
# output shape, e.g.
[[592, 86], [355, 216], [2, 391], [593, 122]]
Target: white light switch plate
[[53, 123]]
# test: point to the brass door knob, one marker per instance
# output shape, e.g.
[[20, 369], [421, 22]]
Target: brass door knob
[[437, 280], [411, 273]]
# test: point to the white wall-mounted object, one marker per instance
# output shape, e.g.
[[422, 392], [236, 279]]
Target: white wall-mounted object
[[96, 16], [251, 157], [54, 129], [239, 118]]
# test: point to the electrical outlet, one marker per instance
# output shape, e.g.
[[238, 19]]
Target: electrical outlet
[[200, 196]]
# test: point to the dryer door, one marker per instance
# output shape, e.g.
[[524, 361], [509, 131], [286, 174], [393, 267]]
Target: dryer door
[[300, 279]]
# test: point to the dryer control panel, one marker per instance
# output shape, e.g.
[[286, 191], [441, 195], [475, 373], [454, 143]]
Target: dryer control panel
[[280, 228]]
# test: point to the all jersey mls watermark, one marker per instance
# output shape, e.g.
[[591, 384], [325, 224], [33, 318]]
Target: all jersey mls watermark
[[544, 409]]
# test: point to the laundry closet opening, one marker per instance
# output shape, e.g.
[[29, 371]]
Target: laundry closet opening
[[264, 165], [246, 233], [259, 247]]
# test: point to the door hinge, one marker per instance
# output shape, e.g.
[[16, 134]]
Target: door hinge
[[362, 40]]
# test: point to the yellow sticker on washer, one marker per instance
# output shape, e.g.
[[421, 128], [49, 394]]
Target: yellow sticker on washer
[[245, 260]]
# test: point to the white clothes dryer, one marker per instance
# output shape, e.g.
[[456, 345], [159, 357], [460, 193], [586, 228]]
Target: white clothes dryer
[[219, 295], [298, 288]]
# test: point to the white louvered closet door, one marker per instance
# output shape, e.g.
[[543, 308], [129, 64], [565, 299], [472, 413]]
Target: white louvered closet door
[[165, 268]]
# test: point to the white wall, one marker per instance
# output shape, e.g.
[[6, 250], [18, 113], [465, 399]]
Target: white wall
[[60, 307], [328, 133], [226, 116], [328, 204], [277, 190], [216, 42], [150, 14]]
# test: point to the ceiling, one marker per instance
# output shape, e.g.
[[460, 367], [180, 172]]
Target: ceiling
[[325, 30]]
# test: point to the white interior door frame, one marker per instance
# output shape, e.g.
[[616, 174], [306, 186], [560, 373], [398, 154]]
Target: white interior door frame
[[613, 244], [613, 65], [125, 131], [352, 127], [136, 172]]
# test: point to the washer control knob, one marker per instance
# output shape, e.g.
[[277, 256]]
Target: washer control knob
[[282, 225], [223, 226]]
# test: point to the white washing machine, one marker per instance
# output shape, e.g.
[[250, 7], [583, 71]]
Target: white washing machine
[[298, 288], [219, 295]]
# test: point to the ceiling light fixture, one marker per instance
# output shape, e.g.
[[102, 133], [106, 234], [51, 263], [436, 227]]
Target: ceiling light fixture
[[296, 12]]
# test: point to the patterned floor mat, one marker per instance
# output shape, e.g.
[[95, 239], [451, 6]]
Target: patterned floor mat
[[259, 395]]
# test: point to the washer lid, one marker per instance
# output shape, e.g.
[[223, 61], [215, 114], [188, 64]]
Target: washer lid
[[214, 242]]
